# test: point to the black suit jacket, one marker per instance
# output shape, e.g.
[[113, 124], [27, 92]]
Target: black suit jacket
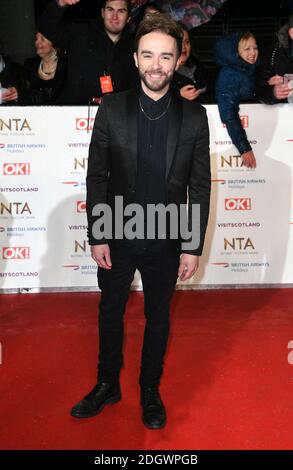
[[113, 152]]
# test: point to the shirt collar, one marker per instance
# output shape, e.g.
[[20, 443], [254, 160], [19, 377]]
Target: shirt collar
[[152, 106]]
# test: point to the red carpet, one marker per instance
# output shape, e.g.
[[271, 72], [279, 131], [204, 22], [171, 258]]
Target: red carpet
[[227, 383]]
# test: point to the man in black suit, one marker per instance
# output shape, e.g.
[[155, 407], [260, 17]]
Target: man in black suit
[[148, 147]]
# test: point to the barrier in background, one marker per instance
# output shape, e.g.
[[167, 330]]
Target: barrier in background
[[43, 163]]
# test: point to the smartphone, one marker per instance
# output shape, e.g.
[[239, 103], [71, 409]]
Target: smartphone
[[288, 77]]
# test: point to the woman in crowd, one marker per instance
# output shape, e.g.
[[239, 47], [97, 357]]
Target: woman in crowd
[[189, 79], [47, 73], [140, 13], [236, 55]]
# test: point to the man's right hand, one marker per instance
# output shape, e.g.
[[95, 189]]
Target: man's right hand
[[64, 3], [101, 255]]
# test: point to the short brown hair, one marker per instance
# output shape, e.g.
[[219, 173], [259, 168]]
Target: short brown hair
[[128, 4], [162, 23]]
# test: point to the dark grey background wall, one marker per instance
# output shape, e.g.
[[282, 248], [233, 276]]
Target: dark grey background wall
[[17, 28], [244, 8], [18, 19]]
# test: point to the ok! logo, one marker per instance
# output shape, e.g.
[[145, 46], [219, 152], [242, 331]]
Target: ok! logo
[[84, 124], [16, 169], [16, 252]]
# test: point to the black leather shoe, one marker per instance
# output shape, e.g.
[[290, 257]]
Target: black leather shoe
[[154, 413], [93, 403]]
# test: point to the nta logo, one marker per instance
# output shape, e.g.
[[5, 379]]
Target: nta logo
[[238, 204], [239, 243], [21, 169], [232, 161], [14, 208], [80, 164], [16, 124], [16, 252]]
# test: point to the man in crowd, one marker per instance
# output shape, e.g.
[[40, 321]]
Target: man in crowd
[[99, 53], [151, 148], [271, 86]]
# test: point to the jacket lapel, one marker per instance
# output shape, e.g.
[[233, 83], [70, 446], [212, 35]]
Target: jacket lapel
[[175, 121], [132, 127]]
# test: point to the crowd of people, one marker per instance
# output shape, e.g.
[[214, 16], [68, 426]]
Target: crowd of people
[[79, 63]]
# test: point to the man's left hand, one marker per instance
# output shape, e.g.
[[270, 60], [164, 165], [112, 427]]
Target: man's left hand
[[188, 266]]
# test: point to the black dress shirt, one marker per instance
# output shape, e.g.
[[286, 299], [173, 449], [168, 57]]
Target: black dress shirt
[[151, 164]]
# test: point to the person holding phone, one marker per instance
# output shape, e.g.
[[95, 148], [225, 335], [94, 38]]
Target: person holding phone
[[272, 86], [13, 82], [189, 79]]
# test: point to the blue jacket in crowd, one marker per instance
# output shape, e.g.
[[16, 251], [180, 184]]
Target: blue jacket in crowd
[[235, 84]]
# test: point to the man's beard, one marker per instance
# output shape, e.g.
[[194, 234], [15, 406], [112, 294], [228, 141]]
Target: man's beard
[[155, 85]]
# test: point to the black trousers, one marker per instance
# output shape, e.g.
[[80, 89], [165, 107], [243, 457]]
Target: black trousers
[[159, 275]]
